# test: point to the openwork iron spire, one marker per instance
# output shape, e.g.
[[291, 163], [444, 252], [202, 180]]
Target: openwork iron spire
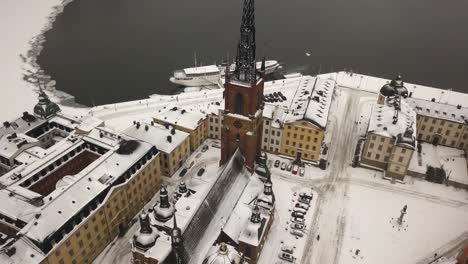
[[245, 60]]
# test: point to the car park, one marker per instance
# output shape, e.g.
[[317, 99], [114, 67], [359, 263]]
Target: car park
[[301, 172], [296, 232], [297, 226], [302, 205], [283, 166], [295, 169], [297, 214], [297, 220], [289, 168], [286, 256], [277, 163], [183, 172], [201, 171]]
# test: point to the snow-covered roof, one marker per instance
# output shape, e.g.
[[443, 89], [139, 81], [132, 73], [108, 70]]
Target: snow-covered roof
[[299, 98], [181, 117], [453, 160], [11, 144], [157, 135], [319, 104], [21, 125], [382, 120], [70, 199], [89, 124], [439, 110]]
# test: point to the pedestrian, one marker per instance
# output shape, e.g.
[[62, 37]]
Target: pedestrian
[[318, 237]]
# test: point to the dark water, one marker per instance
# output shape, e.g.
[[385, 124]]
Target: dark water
[[105, 51]]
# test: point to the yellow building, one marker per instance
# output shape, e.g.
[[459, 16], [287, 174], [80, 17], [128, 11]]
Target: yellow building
[[441, 124], [302, 138], [83, 202], [391, 138], [173, 144], [193, 122], [296, 115]]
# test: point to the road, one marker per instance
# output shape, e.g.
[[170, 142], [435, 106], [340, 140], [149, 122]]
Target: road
[[329, 221]]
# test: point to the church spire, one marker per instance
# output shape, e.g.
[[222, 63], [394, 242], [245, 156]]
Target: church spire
[[245, 61]]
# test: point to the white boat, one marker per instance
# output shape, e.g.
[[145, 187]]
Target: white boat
[[211, 74]]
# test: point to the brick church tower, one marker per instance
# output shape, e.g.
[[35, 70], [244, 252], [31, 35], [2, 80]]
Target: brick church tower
[[243, 96]]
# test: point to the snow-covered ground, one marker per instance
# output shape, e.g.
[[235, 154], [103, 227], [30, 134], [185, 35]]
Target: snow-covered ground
[[369, 226], [451, 159], [22, 23]]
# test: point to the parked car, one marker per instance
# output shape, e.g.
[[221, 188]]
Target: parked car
[[277, 163], [286, 256], [297, 226], [297, 214], [201, 171], [204, 148], [296, 232], [300, 210], [287, 249], [289, 168], [301, 172], [307, 196], [303, 200], [283, 166], [297, 220], [183, 172], [295, 169], [303, 206]]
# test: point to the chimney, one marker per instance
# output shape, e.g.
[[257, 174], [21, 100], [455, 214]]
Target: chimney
[[146, 127], [173, 131], [152, 123], [459, 106], [169, 139]]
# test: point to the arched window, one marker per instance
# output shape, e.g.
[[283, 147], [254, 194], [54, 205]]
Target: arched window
[[239, 104]]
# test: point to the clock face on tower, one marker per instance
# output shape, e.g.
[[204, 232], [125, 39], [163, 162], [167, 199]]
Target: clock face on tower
[[237, 124]]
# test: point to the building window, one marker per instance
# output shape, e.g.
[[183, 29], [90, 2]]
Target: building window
[[447, 132], [423, 127], [373, 137], [377, 156], [265, 140], [400, 159], [439, 130], [371, 145], [403, 150], [386, 158], [301, 137], [369, 154], [266, 131], [389, 149], [239, 104], [295, 135], [71, 252], [397, 168], [380, 147]]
